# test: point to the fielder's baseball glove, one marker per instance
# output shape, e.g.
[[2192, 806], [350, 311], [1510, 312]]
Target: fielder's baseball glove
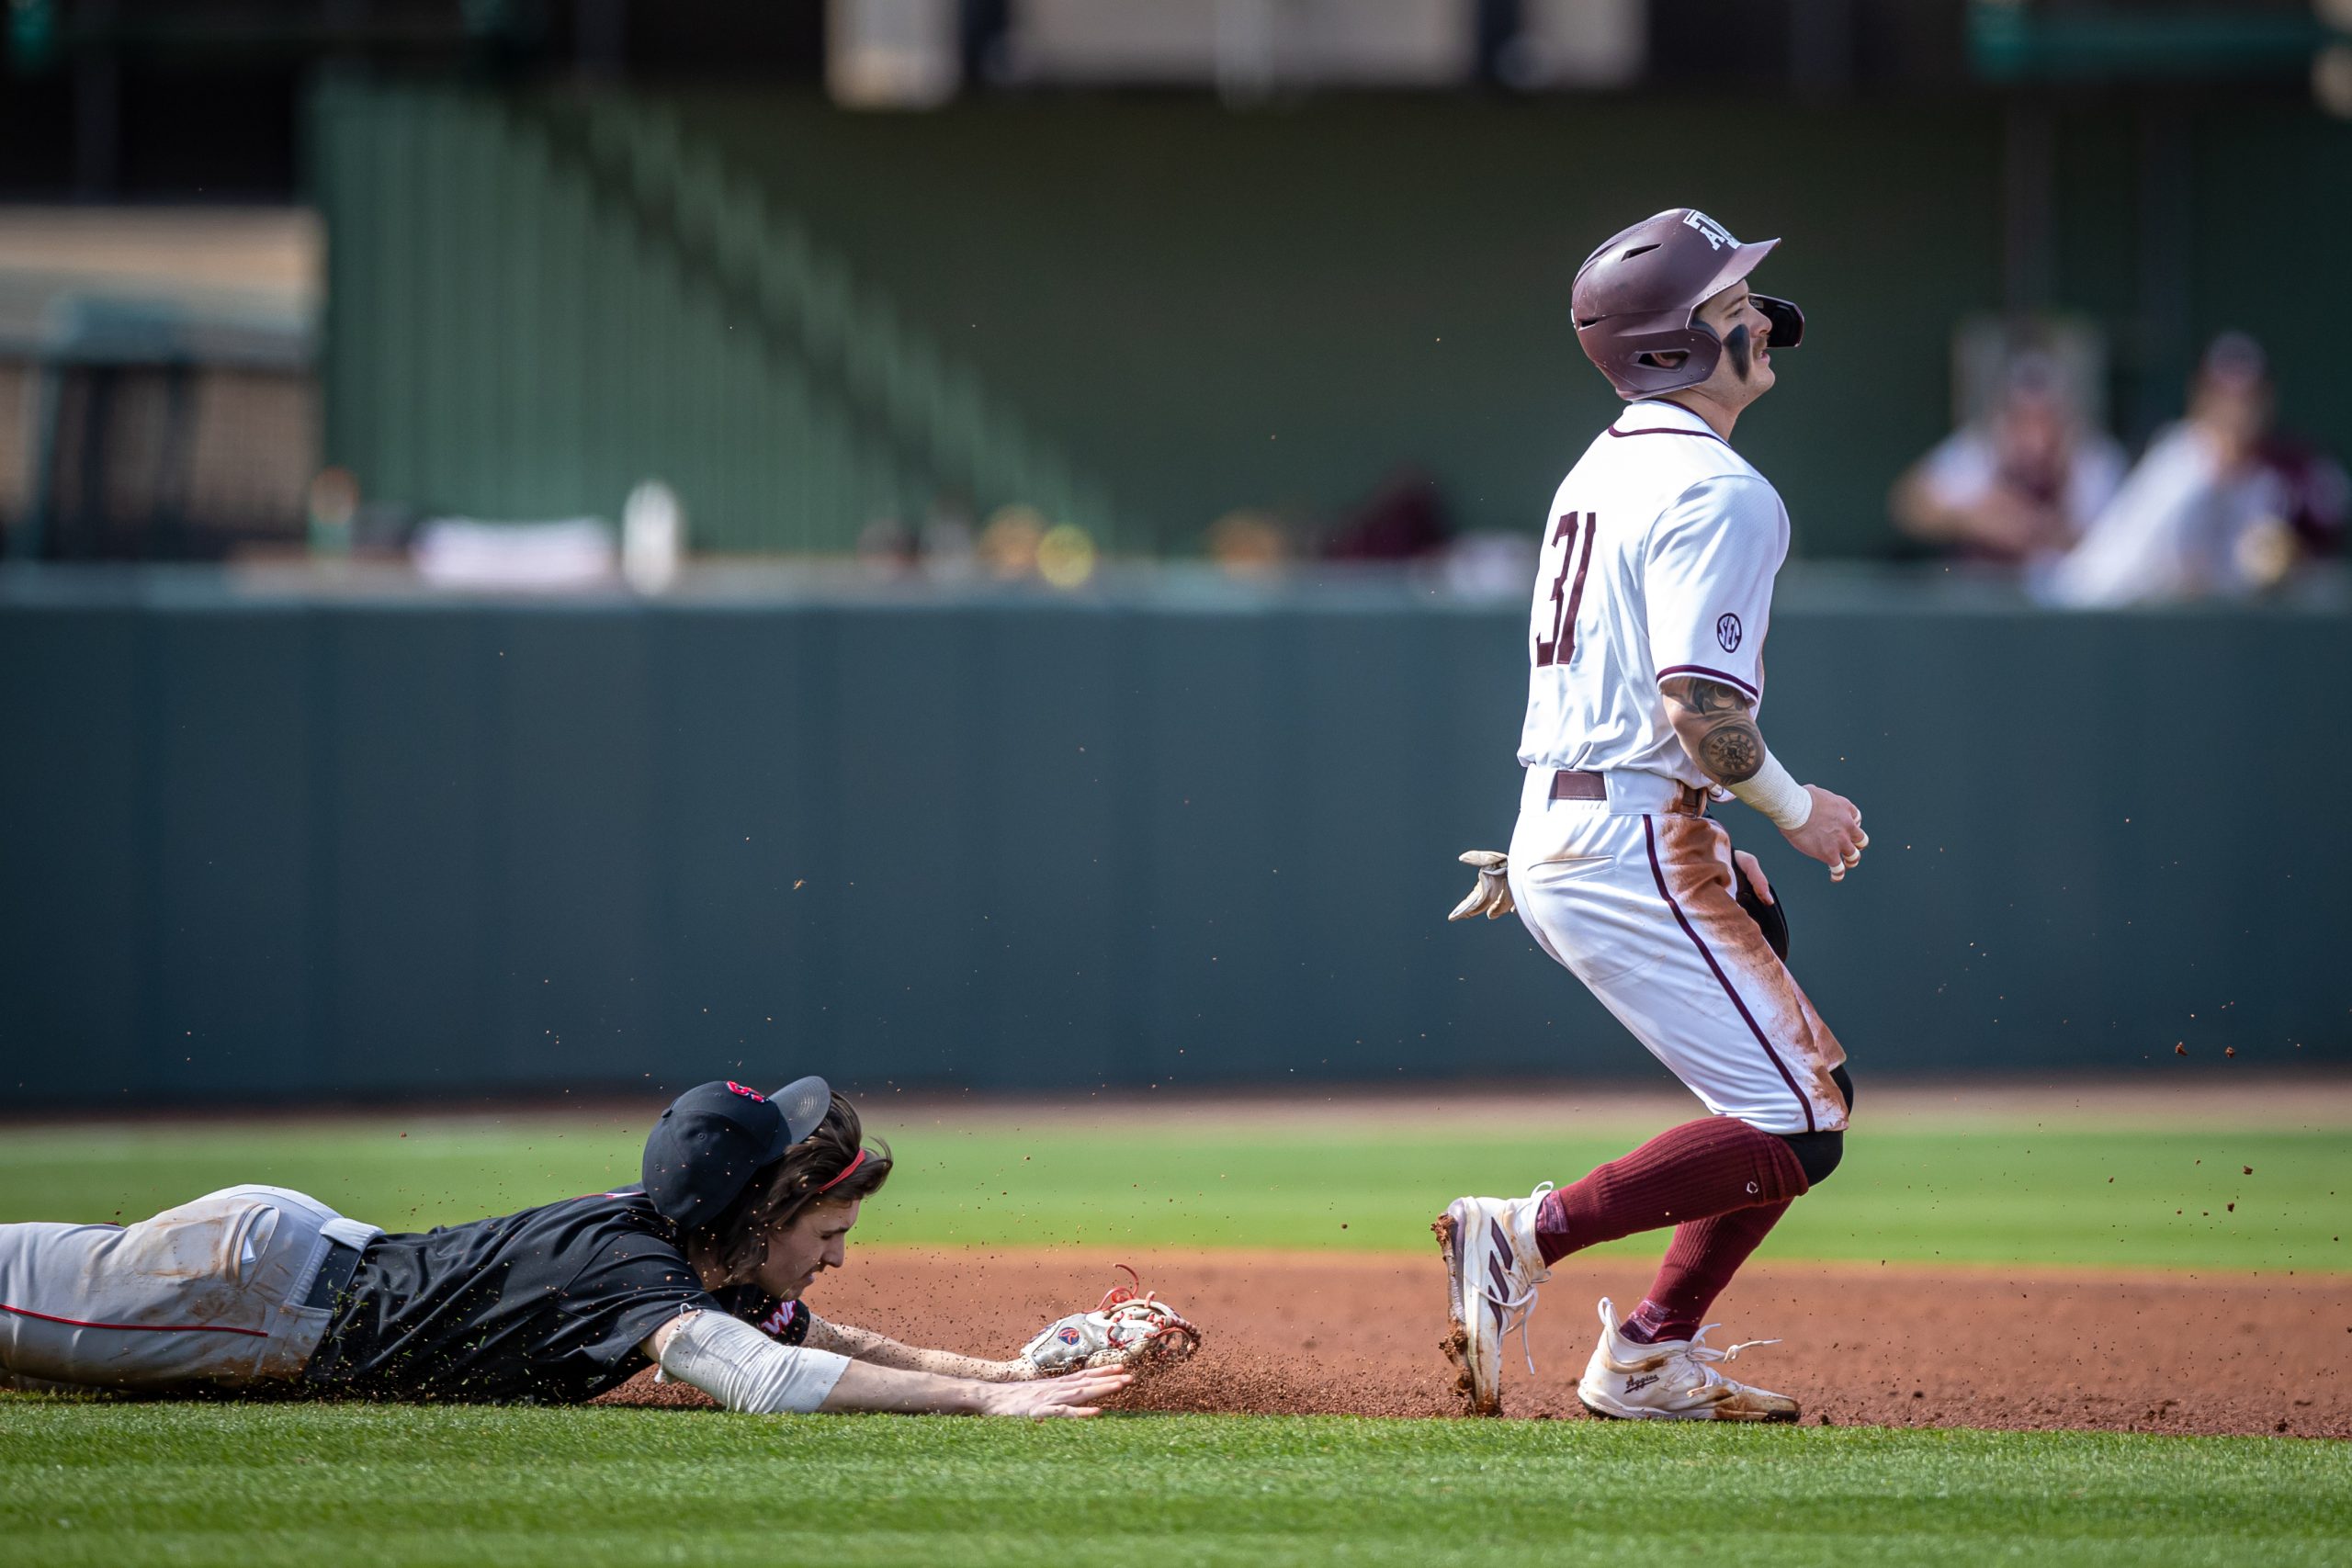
[[1129, 1327]]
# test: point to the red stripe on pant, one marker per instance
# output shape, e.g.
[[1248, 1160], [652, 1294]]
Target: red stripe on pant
[[136, 1327]]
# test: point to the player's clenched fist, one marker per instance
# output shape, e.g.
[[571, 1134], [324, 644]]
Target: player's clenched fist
[[1831, 833]]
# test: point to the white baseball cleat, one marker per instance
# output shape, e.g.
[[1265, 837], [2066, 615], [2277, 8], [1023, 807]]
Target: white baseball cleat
[[1674, 1379], [1492, 1267]]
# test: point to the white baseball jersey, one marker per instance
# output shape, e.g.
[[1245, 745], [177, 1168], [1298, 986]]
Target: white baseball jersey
[[1658, 560]]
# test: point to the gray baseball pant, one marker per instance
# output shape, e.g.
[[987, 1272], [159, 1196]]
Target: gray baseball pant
[[210, 1292]]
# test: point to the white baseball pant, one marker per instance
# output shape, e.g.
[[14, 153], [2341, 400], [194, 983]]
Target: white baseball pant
[[209, 1292], [1636, 899]]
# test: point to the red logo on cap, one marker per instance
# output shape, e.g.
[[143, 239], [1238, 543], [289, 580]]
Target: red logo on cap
[[747, 1093]]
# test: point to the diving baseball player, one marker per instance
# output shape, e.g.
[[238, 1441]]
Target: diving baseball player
[[1652, 600], [747, 1199]]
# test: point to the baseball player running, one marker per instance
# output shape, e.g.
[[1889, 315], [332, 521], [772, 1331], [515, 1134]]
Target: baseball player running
[[1652, 600], [747, 1199]]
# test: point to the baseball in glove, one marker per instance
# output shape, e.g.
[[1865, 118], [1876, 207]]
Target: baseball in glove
[[1129, 1327]]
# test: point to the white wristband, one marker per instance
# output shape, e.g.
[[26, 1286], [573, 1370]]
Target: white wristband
[[1776, 795]]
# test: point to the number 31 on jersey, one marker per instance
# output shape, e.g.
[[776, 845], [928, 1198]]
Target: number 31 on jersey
[[1576, 553]]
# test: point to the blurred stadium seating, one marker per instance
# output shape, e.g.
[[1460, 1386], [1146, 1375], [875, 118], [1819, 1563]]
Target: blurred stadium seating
[[157, 390], [576, 245], [1075, 294]]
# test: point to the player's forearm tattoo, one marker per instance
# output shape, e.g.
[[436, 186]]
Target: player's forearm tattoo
[[1715, 724]]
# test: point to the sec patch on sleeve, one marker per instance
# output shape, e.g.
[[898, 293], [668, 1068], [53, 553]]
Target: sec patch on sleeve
[[1727, 632]]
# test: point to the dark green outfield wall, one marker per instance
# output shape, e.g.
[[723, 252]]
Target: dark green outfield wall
[[272, 847]]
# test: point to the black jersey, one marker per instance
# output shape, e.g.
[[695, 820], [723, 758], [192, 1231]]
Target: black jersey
[[547, 1306]]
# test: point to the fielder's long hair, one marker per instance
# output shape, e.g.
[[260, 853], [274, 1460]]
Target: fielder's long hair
[[812, 1169]]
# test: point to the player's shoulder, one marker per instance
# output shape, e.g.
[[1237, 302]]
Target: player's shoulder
[[1654, 454], [1730, 493], [624, 1222], [612, 1244], [1703, 497]]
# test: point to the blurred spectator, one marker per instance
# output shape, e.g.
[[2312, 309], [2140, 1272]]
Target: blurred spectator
[[1405, 518], [888, 546], [948, 552], [1008, 545], [1247, 544], [2221, 504], [2018, 486], [1067, 556], [1495, 566]]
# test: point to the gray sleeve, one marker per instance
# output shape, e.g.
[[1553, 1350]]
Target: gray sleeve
[[744, 1369]]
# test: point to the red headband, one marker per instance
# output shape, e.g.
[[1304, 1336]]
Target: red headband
[[837, 1181]]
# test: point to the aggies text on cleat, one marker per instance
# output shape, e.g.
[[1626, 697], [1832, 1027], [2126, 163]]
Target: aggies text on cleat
[[1674, 1379]]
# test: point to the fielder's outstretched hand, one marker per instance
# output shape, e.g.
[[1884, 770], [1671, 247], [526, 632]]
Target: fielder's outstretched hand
[[1080, 1394], [1491, 897]]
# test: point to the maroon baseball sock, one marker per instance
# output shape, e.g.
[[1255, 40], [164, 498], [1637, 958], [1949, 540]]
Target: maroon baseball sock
[[1705, 1254], [1700, 1169]]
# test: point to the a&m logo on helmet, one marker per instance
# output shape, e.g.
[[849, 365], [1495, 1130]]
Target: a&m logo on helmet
[[747, 1093], [1717, 235]]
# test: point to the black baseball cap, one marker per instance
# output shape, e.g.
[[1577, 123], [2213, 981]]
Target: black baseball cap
[[717, 1136]]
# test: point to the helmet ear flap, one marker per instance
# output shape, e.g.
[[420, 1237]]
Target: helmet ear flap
[[1788, 322], [1637, 374]]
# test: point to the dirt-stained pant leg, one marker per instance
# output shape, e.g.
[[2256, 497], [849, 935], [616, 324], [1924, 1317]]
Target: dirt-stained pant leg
[[1641, 907], [1694, 861], [206, 1294]]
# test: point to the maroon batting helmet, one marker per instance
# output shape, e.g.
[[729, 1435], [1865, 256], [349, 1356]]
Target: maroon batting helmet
[[1635, 298]]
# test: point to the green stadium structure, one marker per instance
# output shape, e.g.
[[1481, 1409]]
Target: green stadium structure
[[534, 306], [1144, 312]]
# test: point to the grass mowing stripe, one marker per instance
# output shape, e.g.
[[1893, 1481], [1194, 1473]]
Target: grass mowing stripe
[[256, 1486], [1982, 1194]]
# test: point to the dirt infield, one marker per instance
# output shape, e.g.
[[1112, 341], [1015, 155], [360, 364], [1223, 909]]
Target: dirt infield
[[1869, 1344]]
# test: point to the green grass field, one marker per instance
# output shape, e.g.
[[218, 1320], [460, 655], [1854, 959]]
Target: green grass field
[[1999, 1193], [88, 1481], [248, 1487]]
